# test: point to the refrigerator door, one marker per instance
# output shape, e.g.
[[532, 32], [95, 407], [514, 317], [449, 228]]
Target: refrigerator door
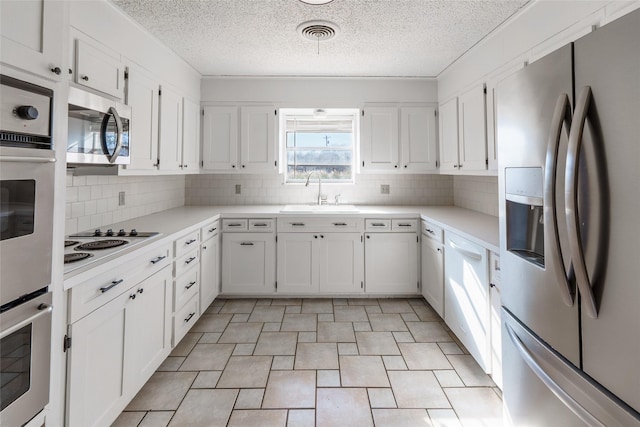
[[608, 61], [544, 389], [533, 114]]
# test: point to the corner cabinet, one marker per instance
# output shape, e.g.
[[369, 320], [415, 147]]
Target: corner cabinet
[[463, 132], [32, 36], [239, 139], [399, 139]]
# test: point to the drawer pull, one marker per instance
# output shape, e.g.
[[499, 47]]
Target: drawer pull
[[111, 286], [188, 242], [246, 244], [297, 224], [190, 285], [158, 259], [190, 260], [378, 224], [235, 224], [405, 225], [261, 224], [141, 290], [428, 230], [132, 296], [340, 224], [190, 316], [211, 230]]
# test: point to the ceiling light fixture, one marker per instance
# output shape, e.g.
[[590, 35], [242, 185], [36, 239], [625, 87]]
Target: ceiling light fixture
[[316, 2]]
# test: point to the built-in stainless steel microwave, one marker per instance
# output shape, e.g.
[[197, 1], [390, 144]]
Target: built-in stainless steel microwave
[[98, 130]]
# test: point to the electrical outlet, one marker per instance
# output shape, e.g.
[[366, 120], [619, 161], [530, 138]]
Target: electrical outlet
[[121, 198], [385, 189], [238, 188]]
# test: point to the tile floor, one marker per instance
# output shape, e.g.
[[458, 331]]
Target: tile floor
[[317, 362]]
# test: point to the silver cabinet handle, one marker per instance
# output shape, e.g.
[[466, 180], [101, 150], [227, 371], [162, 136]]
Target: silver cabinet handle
[[235, 224], [297, 224], [378, 224], [405, 225], [111, 286], [211, 230], [260, 224], [190, 260], [571, 202], [190, 316], [246, 244], [158, 259], [190, 285], [42, 310], [188, 242], [466, 252], [561, 115], [340, 224]]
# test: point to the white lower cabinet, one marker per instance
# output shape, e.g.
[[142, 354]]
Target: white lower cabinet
[[209, 265], [116, 348], [249, 261], [466, 297], [310, 263], [433, 273], [392, 263], [496, 318]]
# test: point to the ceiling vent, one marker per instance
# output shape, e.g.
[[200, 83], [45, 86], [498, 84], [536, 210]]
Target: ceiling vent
[[318, 31]]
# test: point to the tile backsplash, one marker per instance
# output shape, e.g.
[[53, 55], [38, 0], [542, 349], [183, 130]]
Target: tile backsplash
[[220, 189], [478, 193], [92, 201]]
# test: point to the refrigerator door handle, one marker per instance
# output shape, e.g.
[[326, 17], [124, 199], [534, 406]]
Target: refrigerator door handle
[[555, 388], [561, 115], [571, 201]]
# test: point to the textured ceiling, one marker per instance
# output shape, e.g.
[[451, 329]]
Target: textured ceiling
[[376, 37]]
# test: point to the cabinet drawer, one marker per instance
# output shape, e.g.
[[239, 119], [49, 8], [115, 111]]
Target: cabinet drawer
[[235, 224], [494, 269], [187, 242], [377, 224], [404, 225], [266, 225], [186, 261], [320, 224], [432, 231], [209, 230], [92, 294], [184, 287], [184, 319]]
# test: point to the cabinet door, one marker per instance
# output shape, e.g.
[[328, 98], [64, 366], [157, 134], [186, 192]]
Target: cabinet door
[[473, 130], [96, 361], [170, 130], [142, 97], [418, 139], [466, 297], [98, 69], [32, 36], [341, 263], [249, 263], [298, 267], [209, 271], [379, 139], [433, 274], [220, 139], [147, 329], [449, 135], [190, 136], [258, 139], [391, 263]]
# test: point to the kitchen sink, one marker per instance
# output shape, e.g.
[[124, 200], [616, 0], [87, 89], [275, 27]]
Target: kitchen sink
[[319, 209]]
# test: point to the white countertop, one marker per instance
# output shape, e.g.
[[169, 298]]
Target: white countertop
[[477, 227]]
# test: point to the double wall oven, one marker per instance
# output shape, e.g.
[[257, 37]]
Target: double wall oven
[[26, 234]]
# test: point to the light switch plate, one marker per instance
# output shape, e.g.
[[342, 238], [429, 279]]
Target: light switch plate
[[385, 189]]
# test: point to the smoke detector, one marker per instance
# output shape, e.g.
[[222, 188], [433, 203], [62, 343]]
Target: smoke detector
[[318, 31]]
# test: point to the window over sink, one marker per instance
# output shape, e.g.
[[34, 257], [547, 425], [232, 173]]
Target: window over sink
[[321, 141]]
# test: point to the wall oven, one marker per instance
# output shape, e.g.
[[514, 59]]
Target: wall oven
[[98, 129], [26, 242]]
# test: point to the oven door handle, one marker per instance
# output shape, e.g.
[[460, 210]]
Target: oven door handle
[[103, 134], [42, 310]]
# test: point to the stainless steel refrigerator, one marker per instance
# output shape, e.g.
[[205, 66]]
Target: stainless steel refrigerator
[[569, 181]]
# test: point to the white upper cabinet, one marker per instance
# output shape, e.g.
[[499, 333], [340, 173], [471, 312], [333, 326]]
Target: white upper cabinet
[[32, 36], [239, 139], [379, 140], [98, 68], [463, 132], [220, 138], [170, 150], [258, 139], [418, 139], [142, 97], [190, 157], [473, 130]]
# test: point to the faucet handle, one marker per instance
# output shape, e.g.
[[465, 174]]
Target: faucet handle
[[337, 198]]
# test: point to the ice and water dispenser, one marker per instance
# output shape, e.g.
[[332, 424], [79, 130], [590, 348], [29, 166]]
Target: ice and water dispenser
[[525, 213]]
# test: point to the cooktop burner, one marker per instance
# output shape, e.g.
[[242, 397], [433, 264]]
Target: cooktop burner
[[100, 244], [68, 243], [77, 256]]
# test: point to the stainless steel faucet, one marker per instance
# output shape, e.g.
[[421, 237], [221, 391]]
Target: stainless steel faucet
[[321, 199]]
